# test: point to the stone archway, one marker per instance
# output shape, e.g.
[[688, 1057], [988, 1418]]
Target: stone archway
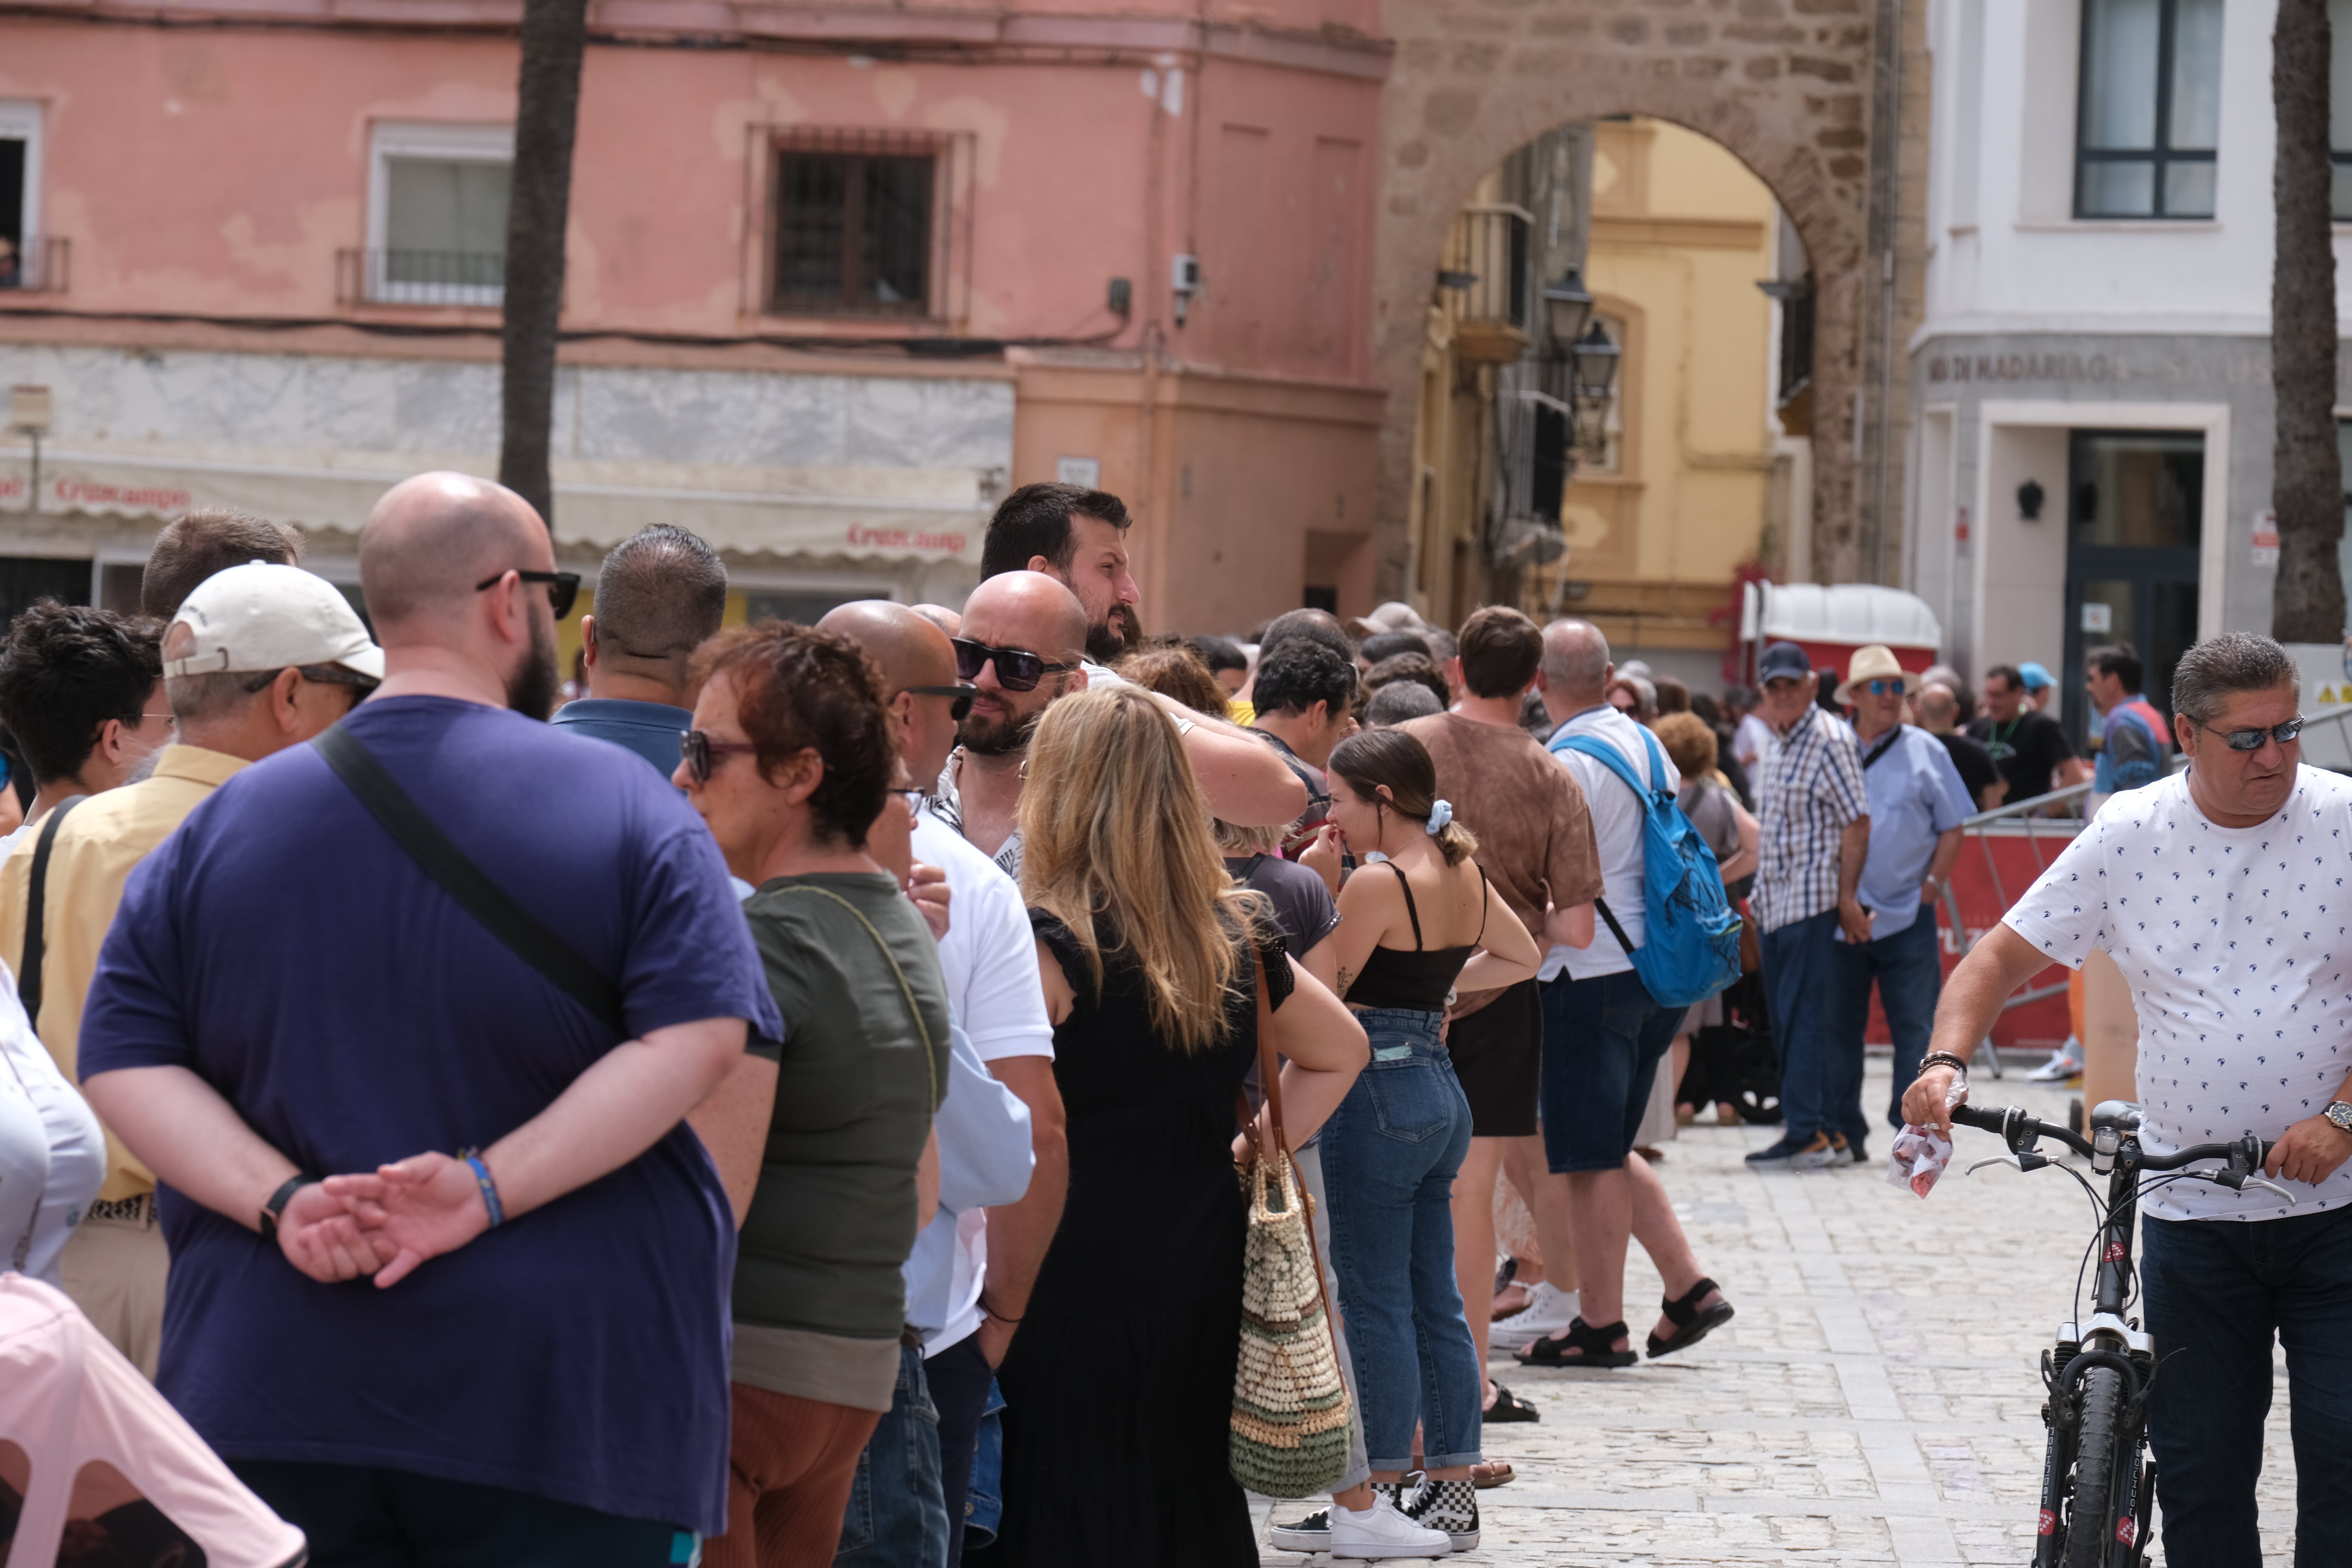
[[1783, 84]]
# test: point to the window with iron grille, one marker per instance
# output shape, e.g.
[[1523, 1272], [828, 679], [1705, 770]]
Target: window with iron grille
[[864, 223]]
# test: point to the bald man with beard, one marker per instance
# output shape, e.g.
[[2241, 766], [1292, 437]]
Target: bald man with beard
[[967, 1284], [1031, 623], [286, 995]]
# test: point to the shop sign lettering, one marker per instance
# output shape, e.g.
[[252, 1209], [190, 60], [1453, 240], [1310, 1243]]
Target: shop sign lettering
[[949, 543]]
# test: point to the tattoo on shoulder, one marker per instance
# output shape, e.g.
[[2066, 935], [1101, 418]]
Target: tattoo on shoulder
[[1346, 978]]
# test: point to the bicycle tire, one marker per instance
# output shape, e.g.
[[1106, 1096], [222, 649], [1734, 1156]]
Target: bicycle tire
[[2099, 1447]]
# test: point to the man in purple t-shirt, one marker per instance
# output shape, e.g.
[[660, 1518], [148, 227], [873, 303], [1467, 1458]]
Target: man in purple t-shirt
[[537, 1374]]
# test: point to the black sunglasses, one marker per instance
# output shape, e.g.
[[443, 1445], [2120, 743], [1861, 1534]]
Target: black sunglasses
[[1017, 670], [563, 587], [2251, 740], [960, 691], [698, 749]]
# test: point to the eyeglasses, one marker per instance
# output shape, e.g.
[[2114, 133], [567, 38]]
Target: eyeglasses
[[563, 587], [2251, 740], [698, 749], [914, 798], [962, 692], [1017, 670], [1882, 686]]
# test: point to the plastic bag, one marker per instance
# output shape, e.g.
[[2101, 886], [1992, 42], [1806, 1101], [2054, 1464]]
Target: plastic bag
[[1921, 1154]]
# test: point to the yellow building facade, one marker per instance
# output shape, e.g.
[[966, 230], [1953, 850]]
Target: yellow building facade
[[1694, 476]]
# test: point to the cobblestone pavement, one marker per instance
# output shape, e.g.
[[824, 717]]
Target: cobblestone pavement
[[1876, 1400]]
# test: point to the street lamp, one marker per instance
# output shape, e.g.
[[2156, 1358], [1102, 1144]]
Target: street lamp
[[1567, 305], [1596, 355]]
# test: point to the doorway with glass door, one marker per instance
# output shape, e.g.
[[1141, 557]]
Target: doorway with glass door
[[2134, 519]]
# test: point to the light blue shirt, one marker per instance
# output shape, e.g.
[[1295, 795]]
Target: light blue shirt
[[1915, 796], [985, 1163]]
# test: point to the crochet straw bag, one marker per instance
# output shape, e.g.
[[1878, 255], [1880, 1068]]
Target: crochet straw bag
[[1289, 1428]]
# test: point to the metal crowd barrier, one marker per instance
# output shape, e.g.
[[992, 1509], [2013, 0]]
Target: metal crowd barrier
[[2021, 821]]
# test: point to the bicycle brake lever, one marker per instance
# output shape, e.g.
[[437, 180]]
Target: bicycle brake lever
[[2268, 1187], [1995, 1160]]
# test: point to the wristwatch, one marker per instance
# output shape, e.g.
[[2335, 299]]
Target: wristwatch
[[2339, 1113], [274, 1206]]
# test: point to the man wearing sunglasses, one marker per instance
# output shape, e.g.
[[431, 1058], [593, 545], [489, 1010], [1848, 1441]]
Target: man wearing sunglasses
[[660, 594], [1917, 802], [289, 994], [1023, 647], [2219, 892]]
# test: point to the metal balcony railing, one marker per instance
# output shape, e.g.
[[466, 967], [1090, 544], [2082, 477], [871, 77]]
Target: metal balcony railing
[[420, 278], [1485, 277], [37, 264]]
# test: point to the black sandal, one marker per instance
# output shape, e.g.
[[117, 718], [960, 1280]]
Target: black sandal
[[1509, 1406], [1591, 1345], [1691, 1324]]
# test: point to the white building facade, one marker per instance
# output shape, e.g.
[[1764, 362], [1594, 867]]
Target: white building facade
[[2091, 373]]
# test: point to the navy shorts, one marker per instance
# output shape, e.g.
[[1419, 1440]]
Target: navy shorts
[[1602, 1039]]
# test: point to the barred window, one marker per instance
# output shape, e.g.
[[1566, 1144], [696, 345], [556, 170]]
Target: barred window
[[864, 223]]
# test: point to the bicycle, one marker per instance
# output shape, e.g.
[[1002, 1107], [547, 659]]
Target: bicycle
[[2097, 1484]]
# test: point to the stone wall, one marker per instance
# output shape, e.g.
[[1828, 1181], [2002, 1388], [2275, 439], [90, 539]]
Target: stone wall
[[1784, 84]]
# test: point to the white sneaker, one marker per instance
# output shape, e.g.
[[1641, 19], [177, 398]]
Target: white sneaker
[[2065, 1062], [1548, 1313], [1380, 1530]]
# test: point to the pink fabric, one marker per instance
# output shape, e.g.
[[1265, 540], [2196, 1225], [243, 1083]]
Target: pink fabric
[[68, 1397]]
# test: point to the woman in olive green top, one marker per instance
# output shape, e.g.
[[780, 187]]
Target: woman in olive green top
[[790, 764]]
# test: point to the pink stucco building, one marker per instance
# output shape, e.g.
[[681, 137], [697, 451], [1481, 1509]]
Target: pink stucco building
[[839, 276]]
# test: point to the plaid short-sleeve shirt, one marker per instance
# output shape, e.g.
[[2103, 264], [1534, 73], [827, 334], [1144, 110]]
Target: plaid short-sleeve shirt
[[1811, 787]]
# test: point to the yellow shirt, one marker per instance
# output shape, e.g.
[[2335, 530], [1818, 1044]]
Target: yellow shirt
[[96, 848], [1242, 713]]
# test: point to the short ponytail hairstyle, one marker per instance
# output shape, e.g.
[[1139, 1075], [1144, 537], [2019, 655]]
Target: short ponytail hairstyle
[[1397, 762]]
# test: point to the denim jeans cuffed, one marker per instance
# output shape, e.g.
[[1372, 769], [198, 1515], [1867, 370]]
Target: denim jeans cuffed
[[1798, 979], [1910, 970], [2217, 1293], [1390, 1154]]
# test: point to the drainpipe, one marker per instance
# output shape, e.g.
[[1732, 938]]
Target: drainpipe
[[1885, 163]]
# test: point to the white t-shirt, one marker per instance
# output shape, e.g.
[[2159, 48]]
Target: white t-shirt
[[1751, 741], [989, 959], [2237, 944], [1617, 822]]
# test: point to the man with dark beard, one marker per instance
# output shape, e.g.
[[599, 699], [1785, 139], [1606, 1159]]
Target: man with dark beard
[[288, 994], [1078, 537], [1023, 636]]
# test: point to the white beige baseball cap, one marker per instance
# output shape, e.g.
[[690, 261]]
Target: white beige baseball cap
[[262, 617]]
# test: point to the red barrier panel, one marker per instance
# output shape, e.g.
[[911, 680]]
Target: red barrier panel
[[2038, 1026]]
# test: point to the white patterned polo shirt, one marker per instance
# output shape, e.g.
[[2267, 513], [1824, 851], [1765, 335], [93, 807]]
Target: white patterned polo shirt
[[2237, 944]]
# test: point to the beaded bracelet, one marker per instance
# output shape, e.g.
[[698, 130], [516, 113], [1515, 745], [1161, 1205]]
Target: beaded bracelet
[[489, 1188], [1945, 1059]]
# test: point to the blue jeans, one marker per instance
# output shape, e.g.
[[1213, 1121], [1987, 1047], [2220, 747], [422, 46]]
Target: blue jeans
[[1909, 969], [1798, 978], [898, 1515], [1390, 1154], [1602, 1041], [2217, 1292]]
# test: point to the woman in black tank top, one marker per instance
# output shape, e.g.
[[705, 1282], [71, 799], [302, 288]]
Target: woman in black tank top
[[1417, 921]]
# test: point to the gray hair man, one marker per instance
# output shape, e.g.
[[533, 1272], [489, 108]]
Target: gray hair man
[[660, 594], [2177, 881], [260, 658]]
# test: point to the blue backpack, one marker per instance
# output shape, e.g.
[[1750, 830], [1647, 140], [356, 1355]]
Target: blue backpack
[[1692, 949]]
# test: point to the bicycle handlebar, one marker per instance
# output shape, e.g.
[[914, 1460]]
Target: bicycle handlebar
[[2012, 1123]]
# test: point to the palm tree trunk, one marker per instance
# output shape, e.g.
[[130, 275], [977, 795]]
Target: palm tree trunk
[[2306, 473], [547, 112]]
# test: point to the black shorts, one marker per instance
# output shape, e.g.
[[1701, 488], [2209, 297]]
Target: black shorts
[[1498, 1060], [359, 1514]]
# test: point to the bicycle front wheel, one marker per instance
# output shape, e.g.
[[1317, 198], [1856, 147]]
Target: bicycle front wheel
[[2100, 1447]]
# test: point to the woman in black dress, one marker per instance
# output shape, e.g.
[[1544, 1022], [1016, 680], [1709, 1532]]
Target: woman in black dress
[[1119, 1381]]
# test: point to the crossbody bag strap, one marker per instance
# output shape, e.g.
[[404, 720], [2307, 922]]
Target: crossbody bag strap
[[556, 960], [1614, 929], [914, 1008], [1882, 747], [37, 912]]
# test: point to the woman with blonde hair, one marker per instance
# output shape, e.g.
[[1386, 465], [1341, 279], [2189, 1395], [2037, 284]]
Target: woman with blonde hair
[[1416, 919], [1118, 1382]]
